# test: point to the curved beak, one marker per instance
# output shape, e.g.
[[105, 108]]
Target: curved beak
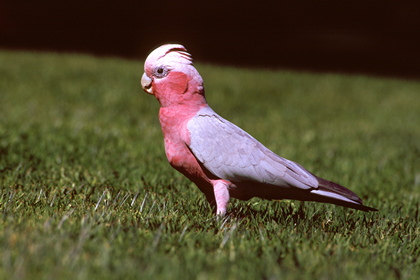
[[146, 84]]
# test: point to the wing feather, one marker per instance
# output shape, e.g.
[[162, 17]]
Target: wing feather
[[230, 153]]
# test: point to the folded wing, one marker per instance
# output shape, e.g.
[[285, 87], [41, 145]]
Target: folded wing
[[230, 153]]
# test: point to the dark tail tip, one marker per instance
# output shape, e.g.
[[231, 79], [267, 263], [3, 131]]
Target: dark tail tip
[[362, 208], [340, 190]]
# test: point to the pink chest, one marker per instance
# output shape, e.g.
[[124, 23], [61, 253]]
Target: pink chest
[[177, 138]]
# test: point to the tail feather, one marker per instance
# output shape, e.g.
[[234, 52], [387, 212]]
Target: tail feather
[[327, 192], [329, 186], [331, 192]]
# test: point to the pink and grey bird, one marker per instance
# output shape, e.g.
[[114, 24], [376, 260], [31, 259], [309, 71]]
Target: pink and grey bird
[[220, 158]]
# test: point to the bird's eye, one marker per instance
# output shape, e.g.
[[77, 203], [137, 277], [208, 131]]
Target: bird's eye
[[160, 71]]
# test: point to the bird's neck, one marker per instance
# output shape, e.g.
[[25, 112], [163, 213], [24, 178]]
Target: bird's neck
[[177, 115]]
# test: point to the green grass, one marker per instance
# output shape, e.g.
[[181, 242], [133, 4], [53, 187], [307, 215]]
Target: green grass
[[86, 192]]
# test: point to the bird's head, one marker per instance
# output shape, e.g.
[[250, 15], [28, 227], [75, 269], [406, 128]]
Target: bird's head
[[170, 76]]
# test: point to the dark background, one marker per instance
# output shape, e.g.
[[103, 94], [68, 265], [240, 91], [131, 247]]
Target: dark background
[[371, 37]]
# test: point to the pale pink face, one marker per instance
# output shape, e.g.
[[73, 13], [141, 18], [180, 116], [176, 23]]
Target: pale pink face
[[169, 75]]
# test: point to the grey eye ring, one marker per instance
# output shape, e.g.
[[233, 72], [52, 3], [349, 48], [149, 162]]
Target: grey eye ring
[[160, 71]]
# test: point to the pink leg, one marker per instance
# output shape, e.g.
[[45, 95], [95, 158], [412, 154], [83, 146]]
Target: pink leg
[[221, 194]]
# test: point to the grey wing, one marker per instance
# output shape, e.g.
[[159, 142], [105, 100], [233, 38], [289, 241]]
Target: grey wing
[[230, 153]]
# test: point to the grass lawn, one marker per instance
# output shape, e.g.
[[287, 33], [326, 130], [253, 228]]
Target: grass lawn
[[86, 191]]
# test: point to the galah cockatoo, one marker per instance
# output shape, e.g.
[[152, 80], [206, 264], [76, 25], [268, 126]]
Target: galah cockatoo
[[220, 158]]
